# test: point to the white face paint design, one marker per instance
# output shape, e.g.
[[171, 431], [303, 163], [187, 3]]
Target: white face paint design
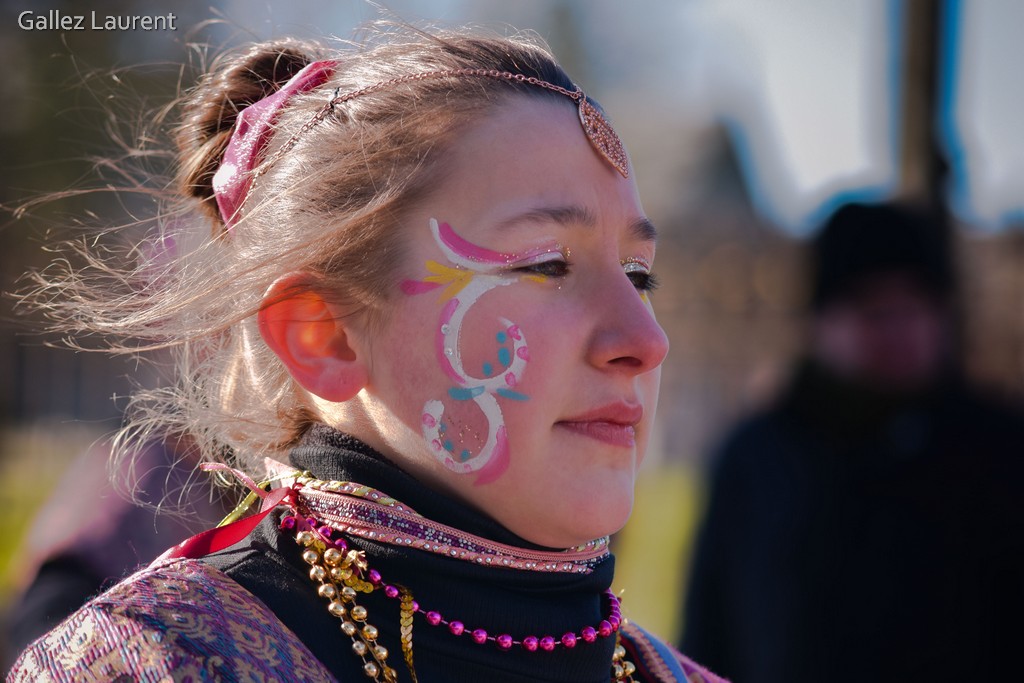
[[476, 271]]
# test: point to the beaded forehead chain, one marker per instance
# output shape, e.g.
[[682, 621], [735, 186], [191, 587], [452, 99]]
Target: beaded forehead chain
[[240, 166]]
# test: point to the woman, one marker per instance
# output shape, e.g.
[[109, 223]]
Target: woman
[[427, 293]]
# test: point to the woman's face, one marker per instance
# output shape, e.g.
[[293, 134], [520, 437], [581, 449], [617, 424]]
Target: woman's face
[[520, 363]]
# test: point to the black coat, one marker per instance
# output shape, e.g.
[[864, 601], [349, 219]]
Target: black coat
[[852, 537]]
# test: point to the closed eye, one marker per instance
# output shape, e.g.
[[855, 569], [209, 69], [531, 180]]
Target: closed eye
[[546, 269], [552, 264]]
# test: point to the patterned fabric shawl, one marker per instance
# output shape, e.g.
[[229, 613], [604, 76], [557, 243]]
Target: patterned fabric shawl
[[181, 620]]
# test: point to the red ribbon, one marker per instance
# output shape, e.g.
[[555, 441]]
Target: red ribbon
[[214, 540]]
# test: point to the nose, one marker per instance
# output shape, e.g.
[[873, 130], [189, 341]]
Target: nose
[[627, 337]]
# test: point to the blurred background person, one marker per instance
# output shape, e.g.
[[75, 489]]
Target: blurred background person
[[868, 524], [89, 535]]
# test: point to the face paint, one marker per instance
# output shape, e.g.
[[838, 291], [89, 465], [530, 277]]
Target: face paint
[[476, 271]]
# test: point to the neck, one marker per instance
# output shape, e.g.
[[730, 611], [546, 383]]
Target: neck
[[497, 582]]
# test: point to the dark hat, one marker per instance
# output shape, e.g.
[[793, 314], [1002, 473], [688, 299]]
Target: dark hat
[[862, 240]]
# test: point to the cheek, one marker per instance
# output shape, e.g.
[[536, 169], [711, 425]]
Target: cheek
[[650, 387], [412, 350], [405, 359]]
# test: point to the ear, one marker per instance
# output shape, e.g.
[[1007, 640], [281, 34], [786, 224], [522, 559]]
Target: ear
[[313, 339]]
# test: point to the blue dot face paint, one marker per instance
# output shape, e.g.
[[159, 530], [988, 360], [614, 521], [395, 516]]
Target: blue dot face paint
[[471, 272]]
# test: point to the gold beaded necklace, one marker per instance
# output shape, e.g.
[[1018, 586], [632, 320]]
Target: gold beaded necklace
[[343, 573], [330, 567]]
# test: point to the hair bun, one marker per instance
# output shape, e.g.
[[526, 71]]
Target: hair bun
[[210, 111]]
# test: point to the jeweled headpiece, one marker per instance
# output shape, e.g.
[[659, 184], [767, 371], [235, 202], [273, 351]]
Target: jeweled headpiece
[[241, 165]]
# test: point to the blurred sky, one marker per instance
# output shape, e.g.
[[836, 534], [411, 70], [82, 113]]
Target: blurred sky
[[807, 88], [804, 85], [982, 110]]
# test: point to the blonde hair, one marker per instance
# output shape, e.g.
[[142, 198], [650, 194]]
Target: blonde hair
[[331, 206]]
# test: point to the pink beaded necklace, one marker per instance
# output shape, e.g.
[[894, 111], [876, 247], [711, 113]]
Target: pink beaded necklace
[[326, 509]]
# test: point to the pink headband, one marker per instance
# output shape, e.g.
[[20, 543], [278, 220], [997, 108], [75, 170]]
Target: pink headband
[[240, 165], [252, 133]]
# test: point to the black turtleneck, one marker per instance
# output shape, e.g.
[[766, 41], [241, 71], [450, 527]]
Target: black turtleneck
[[500, 600]]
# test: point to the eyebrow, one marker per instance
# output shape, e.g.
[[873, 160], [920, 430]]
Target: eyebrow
[[642, 228]]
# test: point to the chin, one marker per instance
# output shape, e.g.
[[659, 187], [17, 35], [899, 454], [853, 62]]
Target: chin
[[582, 519]]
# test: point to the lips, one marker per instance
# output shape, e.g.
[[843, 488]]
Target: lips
[[613, 424]]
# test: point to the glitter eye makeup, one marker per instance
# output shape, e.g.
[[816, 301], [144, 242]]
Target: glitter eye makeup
[[636, 264], [638, 270], [543, 255]]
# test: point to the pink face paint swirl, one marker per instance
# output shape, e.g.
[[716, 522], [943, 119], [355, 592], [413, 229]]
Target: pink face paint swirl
[[462, 252], [478, 264], [469, 251], [498, 463]]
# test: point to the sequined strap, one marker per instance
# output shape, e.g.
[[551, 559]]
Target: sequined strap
[[364, 512]]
